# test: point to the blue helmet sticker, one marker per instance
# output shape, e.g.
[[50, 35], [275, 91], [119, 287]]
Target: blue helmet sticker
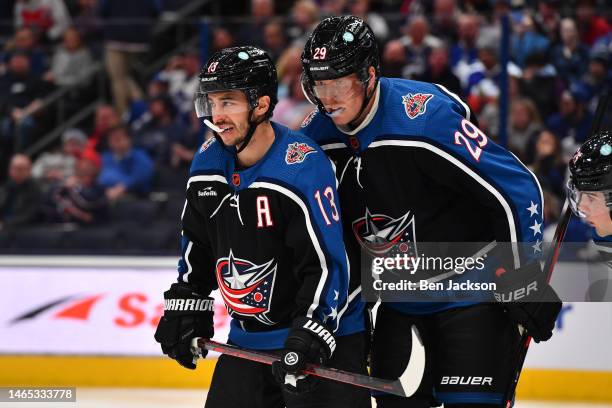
[[348, 37]]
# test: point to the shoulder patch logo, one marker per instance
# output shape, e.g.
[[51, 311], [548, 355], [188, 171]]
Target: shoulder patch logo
[[309, 118], [297, 152], [415, 104], [207, 144]]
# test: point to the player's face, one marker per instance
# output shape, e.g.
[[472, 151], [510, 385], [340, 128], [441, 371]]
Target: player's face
[[596, 212], [342, 97], [229, 111]]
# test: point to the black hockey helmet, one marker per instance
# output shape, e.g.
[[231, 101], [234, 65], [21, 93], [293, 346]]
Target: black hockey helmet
[[248, 69], [338, 46], [591, 170]]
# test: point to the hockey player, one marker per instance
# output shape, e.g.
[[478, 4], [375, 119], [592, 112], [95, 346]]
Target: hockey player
[[261, 224], [413, 166], [590, 184], [589, 191]]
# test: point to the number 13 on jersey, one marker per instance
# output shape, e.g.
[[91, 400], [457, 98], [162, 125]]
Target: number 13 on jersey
[[328, 194]]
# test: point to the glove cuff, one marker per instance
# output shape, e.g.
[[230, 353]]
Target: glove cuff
[[317, 330], [526, 284], [183, 299]]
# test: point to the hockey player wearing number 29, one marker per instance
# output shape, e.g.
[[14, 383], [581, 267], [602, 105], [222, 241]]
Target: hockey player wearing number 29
[[261, 224], [407, 153]]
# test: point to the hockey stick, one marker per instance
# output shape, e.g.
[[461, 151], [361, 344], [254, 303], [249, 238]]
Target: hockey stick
[[553, 255], [404, 386]]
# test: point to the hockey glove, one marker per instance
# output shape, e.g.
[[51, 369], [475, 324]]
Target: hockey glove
[[308, 342], [528, 299], [187, 314]]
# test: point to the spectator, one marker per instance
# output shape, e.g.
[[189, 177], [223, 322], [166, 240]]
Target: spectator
[[183, 88], [252, 32], [183, 149], [591, 26], [20, 197], [88, 22], [274, 41], [71, 61], [394, 59], [79, 199], [483, 80], [548, 164], [361, 8], [48, 17], [54, 167], [222, 38], [570, 57], [548, 19], [20, 93], [26, 41], [304, 16], [465, 52], [597, 76], [106, 118], [292, 106], [126, 44], [525, 40], [540, 83], [125, 169], [162, 129], [524, 127], [438, 70], [573, 122], [418, 44], [445, 16]]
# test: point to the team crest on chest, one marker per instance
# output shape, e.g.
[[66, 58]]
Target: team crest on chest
[[297, 152], [379, 233], [415, 104], [308, 118], [246, 288]]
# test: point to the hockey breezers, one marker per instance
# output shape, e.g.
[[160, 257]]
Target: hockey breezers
[[405, 386]]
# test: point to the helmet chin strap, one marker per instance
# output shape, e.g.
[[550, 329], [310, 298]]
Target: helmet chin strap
[[364, 104]]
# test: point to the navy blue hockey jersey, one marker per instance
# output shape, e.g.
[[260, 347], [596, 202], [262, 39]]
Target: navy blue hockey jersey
[[269, 238], [420, 165]]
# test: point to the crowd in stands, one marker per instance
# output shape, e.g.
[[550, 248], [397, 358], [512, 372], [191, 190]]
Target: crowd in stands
[[131, 162]]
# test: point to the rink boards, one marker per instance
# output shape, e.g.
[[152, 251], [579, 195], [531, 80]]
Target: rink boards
[[90, 322]]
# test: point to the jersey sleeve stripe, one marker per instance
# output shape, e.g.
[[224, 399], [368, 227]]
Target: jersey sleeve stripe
[[466, 108], [503, 202], [185, 277], [313, 237]]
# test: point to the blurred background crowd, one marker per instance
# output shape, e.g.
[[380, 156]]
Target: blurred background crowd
[[97, 128]]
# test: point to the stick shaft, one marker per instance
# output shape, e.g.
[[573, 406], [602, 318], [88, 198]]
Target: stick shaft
[[359, 380]]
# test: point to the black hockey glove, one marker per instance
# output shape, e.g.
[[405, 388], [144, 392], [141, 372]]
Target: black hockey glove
[[187, 314], [528, 299], [309, 341]]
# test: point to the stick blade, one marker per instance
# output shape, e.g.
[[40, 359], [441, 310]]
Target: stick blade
[[411, 378]]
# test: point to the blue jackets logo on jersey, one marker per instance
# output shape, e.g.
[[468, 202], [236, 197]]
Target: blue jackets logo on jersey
[[378, 233], [246, 288], [416, 104], [297, 152]]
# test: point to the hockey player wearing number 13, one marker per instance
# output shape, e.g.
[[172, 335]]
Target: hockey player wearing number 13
[[411, 164], [261, 224]]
